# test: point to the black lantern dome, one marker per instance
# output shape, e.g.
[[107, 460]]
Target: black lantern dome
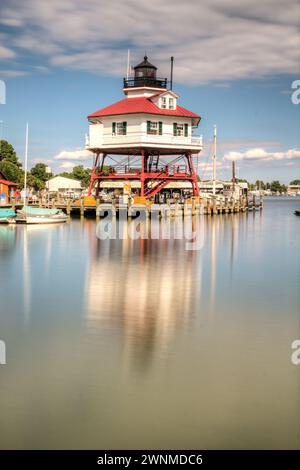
[[145, 76], [145, 70]]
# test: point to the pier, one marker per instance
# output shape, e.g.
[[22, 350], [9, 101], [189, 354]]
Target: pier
[[192, 206]]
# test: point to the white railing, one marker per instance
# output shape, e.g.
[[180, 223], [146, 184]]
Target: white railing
[[197, 139], [97, 139]]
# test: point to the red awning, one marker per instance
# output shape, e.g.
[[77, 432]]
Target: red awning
[[8, 183]]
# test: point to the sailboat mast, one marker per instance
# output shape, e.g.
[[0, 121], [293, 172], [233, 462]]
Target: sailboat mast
[[26, 165], [215, 161]]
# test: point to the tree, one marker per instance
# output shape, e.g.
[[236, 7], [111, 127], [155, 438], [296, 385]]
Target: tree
[[283, 188], [82, 174], [260, 185], [39, 171], [65, 174], [295, 182], [32, 182], [275, 187], [35, 183], [10, 171], [7, 152]]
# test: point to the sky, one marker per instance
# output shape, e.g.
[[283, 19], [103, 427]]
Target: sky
[[235, 63]]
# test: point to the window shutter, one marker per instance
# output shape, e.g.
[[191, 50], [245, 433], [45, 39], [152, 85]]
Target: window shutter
[[125, 127], [160, 124], [113, 127], [174, 128], [148, 127], [186, 130]]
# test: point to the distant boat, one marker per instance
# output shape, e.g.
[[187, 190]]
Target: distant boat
[[36, 215], [7, 216], [297, 212]]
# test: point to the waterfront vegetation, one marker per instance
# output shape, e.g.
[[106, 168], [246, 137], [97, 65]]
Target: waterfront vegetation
[[11, 168]]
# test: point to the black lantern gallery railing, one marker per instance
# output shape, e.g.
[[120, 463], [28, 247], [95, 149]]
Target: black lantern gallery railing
[[145, 81]]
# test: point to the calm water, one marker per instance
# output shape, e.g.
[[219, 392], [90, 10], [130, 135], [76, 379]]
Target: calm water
[[143, 344]]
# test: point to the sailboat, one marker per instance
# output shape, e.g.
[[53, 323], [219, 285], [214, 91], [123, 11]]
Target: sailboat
[[37, 215]]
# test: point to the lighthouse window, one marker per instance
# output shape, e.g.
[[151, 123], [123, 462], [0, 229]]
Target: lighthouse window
[[164, 103], [119, 128], [171, 103], [154, 127], [178, 129]]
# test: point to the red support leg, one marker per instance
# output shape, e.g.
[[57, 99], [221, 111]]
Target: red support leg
[[94, 174], [143, 174], [194, 178]]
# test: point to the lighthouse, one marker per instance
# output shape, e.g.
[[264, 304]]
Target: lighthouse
[[148, 136]]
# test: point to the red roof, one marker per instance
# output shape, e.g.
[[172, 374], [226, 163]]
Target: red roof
[[141, 105], [8, 183]]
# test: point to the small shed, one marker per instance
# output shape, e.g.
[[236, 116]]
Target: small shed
[[6, 188]]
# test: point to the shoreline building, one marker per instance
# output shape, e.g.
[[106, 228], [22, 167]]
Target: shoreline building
[[293, 190], [225, 188], [150, 136], [65, 186]]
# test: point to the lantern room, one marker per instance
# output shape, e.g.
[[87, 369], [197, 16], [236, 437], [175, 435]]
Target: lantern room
[[145, 76]]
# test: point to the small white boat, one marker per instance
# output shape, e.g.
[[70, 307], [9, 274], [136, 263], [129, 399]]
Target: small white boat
[[36, 215]]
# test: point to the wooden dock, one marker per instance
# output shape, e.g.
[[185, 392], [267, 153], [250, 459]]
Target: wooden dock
[[204, 206]]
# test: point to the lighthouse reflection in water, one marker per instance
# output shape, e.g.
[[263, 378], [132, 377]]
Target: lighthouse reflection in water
[[141, 343]]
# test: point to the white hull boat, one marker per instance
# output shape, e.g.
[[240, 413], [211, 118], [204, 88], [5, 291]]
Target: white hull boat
[[35, 215]]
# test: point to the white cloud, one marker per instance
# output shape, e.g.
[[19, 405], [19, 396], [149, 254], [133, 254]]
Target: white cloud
[[76, 155], [212, 40], [6, 53], [48, 161], [10, 22], [13, 73], [67, 165], [261, 154]]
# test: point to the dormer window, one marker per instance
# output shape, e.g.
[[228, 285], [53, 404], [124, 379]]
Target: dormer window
[[167, 103]]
